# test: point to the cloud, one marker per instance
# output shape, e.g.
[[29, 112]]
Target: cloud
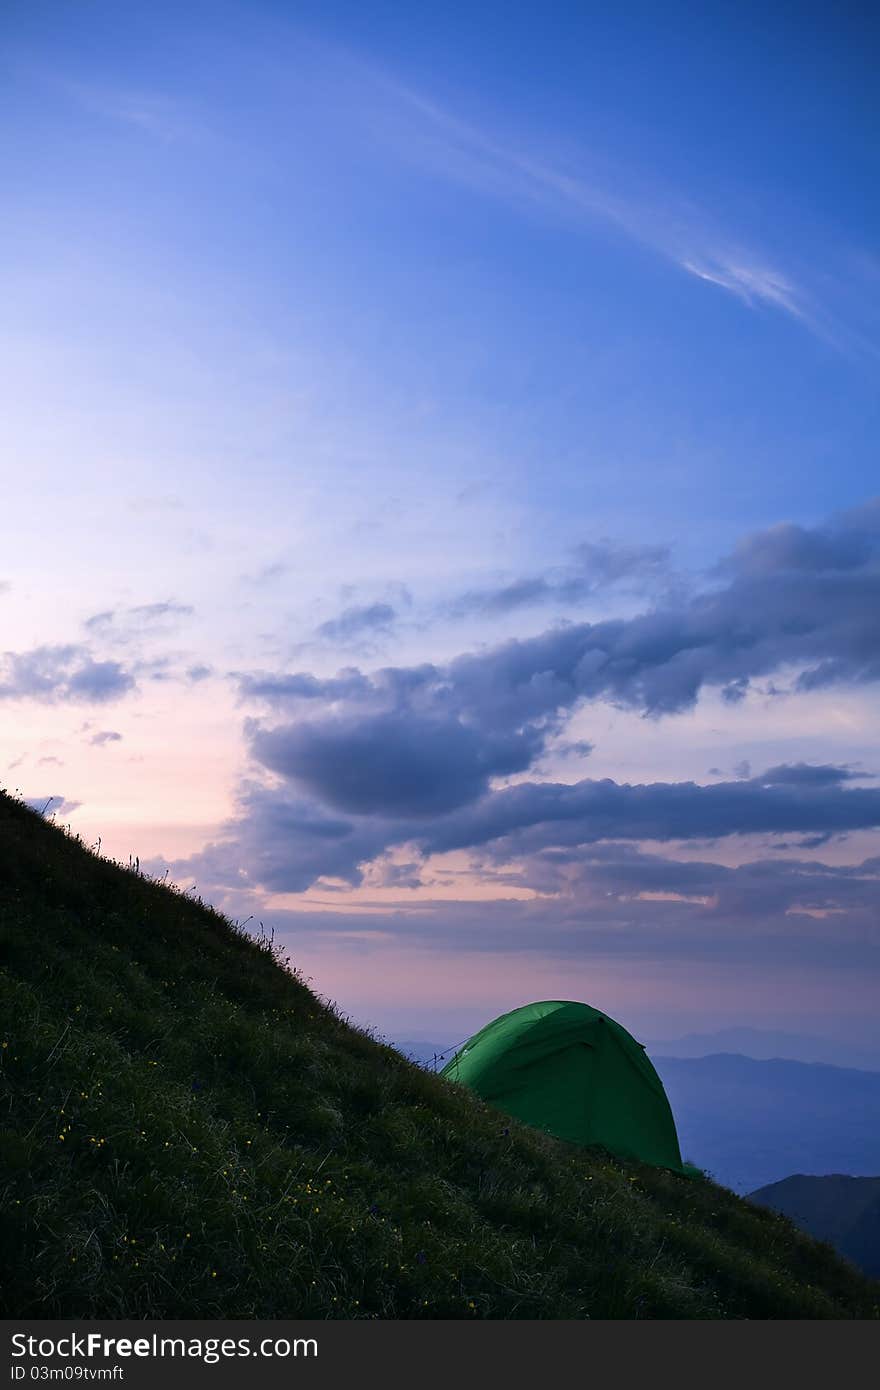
[[850, 543], [105, 736], [51, 805], [532, 816], [574, 190], [419, 755], [619, 902], [801, 605], [284, 839], [128, 624], [395, 763], [151, 113], [355, 622], [53, 673], [597, 566], [284, 843], [283, 689], [267, 575], [807, 775], [749, 280]]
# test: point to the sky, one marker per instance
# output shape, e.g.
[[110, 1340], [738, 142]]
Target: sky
[[440, 495]]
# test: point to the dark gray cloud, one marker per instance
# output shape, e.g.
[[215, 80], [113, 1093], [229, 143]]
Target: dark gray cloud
[[413, 755], [393, 764], [358, 621], [808, 775], [523, 819], [822, 622], [845, 545], [285, 841], [68, 673]]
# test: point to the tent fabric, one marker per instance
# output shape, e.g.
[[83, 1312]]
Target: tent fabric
[[573, 1072]]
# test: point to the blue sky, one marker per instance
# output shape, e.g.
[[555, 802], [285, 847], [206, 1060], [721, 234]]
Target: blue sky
[[521, 366]]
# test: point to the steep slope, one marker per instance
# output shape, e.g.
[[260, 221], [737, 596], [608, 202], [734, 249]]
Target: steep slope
[[186, 1131], [843, 1210]]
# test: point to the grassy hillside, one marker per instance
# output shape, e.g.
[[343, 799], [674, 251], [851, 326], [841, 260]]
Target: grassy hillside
[[187, 1131]]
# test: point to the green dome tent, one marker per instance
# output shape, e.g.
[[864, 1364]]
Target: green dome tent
[[573, 1072]]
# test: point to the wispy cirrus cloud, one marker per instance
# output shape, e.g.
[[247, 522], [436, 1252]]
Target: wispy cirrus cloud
[[152, 112], [120, 625], [674, 226], [751, 281], [525, 169]]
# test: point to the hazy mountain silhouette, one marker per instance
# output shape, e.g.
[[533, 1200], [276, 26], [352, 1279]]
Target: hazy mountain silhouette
[[765, 1044], [751, 1123]]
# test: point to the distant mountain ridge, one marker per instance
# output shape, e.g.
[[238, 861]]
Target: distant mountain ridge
[[764, 1045], [838, 1208], [751, 1123]]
